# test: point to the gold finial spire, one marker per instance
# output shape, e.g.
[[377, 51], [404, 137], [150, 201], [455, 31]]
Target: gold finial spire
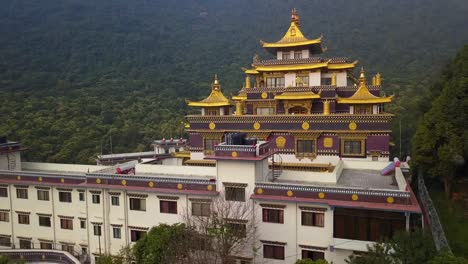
[[378, 79], [362, 77], [216, 79], [295, 17]]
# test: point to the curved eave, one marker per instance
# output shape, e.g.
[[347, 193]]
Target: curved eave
[[339, 66], [364, 101], [211, 104], [291, 67], [250, 71], [239, 98], [297, 97], [291, 44]]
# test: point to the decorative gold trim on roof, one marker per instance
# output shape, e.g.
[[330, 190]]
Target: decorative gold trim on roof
[[297, 96], [215, 99], [298, 67], [362, 95]]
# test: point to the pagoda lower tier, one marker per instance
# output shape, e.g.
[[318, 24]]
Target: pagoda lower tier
[[343, 135]]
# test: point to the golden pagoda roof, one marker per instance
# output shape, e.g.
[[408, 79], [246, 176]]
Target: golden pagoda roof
[[216, 97], [363, 96], [299, 67], [293, 37], [297, 96]]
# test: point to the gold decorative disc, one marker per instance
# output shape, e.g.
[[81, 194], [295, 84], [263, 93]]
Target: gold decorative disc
[[328, 142], [62, 180], [290, 193], [390, 200], [234, 154], [151, 184], [280, 142], [256, 125], [212, 125], [209, 187], [98, 181], [305, 126], [124, 182], [39, 179], [352, 126], [354, 197], [259, 191], [180, 186], [321, 195], [18, 177], [264, 95]]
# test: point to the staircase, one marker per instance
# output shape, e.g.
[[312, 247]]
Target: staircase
[[276, 167]]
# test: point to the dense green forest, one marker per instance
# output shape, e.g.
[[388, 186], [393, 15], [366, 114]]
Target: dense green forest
[[74, 73]]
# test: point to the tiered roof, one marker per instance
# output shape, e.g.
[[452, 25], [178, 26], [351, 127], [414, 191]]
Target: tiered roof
[[215, 99], [363, 96]]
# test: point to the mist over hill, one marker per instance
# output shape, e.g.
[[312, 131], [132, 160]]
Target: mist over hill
[[74, 73]]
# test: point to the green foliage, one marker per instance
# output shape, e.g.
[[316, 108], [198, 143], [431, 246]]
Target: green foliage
[[105, 260], [75, 74], [404, 248], [379, 253], [7, 260], [440, 145], [163, 244], [445, 257]]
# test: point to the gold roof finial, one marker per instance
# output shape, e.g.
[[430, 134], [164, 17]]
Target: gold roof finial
[[216, 79], [362, 76], [295, 17]]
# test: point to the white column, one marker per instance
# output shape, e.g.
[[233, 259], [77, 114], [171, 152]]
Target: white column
[[203, 111], [221, 111]]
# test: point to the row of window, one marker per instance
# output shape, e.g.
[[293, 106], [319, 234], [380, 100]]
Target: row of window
[[27, 244], [287, 55], [303, 147], [277, 252], [307, 218]]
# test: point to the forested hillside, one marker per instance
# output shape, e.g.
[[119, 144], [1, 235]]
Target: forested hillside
[[74, 73]]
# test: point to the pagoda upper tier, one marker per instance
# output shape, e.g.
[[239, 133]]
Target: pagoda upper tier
[[294, 38]]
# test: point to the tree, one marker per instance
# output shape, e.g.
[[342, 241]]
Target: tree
[[164, 244], [412, 247], [378, 253], [226, 230], [446, 257], [440, 145]]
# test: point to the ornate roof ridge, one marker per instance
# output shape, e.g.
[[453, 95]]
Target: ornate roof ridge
[[216, 97]]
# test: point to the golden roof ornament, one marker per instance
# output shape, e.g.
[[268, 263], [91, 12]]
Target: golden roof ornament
[[295, 17], [216, 97]]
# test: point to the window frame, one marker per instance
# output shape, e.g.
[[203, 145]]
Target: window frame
[[65, 197], [97, 230], [23, 219], [314, 221], [96, 199], [274, 252], [81, 196], [231, 195], [141, 204], [167, 207], [199, 208], [116, 232], [275, 219], [133, 235], [41, 223], [82, 224], [22, 193], [22, 244], [302, 152], [115, 198], [360, 141], [5, 217], [43, 195], [316, 255], [66, 224], [3, 241], [4, 192]]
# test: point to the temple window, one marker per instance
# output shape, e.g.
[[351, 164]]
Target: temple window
[[312, 219], [298, 110], [273, 252], [286, 56], [212, 112], [265, 110], [326, 81], [298, 54], [273, 216], [235, 194], [363, 109], [305, 147], [275, 82], [312, 255], [302, 81], [209, 144], [353, 147]]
